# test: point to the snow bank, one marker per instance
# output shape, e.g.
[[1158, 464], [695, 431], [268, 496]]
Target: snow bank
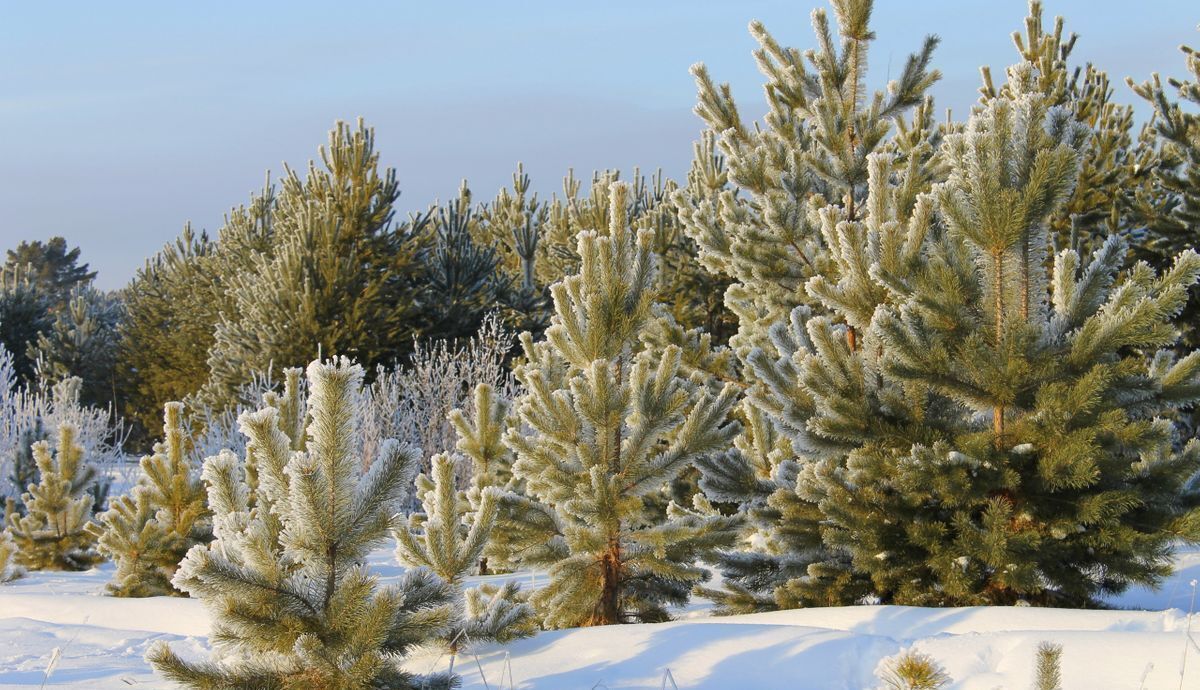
[[101, 642]]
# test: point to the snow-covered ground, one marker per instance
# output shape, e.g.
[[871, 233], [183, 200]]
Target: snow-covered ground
[[92, 641]]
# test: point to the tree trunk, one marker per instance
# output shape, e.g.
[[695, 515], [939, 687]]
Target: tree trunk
[[608, 609]]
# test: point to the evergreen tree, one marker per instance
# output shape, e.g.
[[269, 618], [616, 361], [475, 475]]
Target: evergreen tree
[[81, 342], [293, 606], [24, 314], [148, 531], [449, 538], [1097, 205], [606, 424], [24, 467], [795, 212], [1169, 206], [998, 434], [9, 569], [52, 535], [173, 305], [341, 275], [802, 172], [462, 283], [53, 268]]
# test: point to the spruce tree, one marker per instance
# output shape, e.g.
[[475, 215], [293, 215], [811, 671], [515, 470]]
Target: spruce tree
[[52, 533], [148, 531], [293, 605], [605, 425]]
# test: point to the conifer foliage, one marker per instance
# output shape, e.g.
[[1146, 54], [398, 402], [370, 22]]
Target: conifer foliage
[[293, 605], [9, 569], [148, 531], [449, 538], [997, 436], [606, 424], [52, 534]]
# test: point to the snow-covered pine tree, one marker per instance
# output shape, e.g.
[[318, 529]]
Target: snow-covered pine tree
[[796, 211], [148, 531], [997, 436], [52, 534], [606, 425], [293, 605], [449, 538], [480, 433], [24, 467]]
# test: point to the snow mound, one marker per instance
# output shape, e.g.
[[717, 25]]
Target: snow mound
[[63, 622]]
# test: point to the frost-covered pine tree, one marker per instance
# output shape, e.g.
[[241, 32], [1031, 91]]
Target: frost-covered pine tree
[[9, 569], [1169, 206], [81, 342], [606, 424], [148, 531], [796, 211], [52, 533], [337, 274], [293, 604], [998, 434], [449, 538]]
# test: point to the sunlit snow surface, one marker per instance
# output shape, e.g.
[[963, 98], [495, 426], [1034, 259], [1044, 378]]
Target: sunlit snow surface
[[101, 641]]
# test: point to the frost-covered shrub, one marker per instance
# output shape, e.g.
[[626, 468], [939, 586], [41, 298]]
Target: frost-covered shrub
[[31, 414], [412, 404]]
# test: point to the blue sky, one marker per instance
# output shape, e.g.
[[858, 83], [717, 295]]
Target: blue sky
[[123, 120]]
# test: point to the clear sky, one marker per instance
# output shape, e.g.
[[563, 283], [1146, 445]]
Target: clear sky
[[122, 120]]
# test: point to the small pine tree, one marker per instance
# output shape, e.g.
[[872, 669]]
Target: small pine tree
[[913, 670], [1049, 667], [9, 569], [148, 531], [24, 468], [606, 425], [81, 342], [449, 538], [52, 534], [293, 604]]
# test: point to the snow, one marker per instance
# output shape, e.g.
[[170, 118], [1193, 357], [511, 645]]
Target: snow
[[1138, 644]]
